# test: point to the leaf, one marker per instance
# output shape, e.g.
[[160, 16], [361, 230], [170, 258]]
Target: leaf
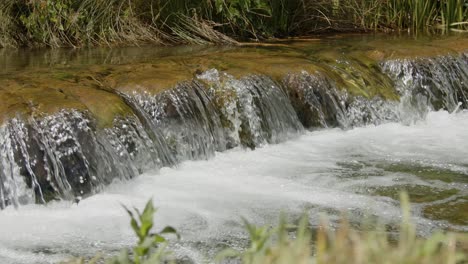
[[250, 227], [169, 230], [219, 6], [159, 256], [133, 222], [146, 218], [134, 208], [148, 242], [159, 239], [143, 248]]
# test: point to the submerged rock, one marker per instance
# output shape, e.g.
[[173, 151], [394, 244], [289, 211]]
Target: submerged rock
[[416, 193], [454, 211]]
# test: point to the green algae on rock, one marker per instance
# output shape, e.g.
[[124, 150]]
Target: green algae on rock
[[416, 193], [427, 172], [454, 211]]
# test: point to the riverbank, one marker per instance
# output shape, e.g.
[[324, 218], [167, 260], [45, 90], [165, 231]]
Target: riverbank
[[80, 23]]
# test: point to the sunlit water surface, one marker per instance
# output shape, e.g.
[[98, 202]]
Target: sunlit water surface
[[329, 170]]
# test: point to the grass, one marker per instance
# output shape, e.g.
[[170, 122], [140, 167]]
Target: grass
[[8, 37], [413, 15], [299, 244], [78, 23], [348, 246], [151, 246]]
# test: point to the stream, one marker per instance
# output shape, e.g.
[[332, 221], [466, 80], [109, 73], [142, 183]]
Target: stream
[[306, 128]]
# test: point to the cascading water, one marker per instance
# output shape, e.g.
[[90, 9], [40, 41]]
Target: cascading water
[[67, 155], [13, 189], [57, 156], [319, 102], [254, 109], [185, 119], [429, 84]]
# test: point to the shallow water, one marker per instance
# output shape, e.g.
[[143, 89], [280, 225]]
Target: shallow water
[[330, 170]]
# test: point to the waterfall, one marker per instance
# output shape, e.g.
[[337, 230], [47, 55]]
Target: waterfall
[[66, 155], [429, 84]]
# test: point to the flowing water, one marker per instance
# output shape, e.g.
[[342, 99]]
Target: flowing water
[[331, 170], [338, 132]]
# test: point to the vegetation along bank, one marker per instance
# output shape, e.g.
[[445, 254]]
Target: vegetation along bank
[[78, 23]]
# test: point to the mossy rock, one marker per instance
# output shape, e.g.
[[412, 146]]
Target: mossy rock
[[41, 93], [359, 77], [77, 86], [416, 193], [426, 172], [454, 211], [357, 72]]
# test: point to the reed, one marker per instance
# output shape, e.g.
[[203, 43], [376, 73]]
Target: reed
[[413, 15], [77, 23], [454, 15], [84, 22], [6, 26], [346, 245]]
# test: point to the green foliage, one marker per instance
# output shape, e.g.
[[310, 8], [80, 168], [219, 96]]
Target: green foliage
[[244, 16], [58, 23], [454, 14], [7, 26], [77, 23], [150, 246], [47, 20], [300, 244], [423, 15], [283, 244], [285, 16], [347, 246], [390, 15]]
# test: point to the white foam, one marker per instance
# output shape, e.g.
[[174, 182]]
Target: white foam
[[205, 200]]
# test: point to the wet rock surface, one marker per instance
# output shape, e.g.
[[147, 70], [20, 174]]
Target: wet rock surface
[[71, 129]]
